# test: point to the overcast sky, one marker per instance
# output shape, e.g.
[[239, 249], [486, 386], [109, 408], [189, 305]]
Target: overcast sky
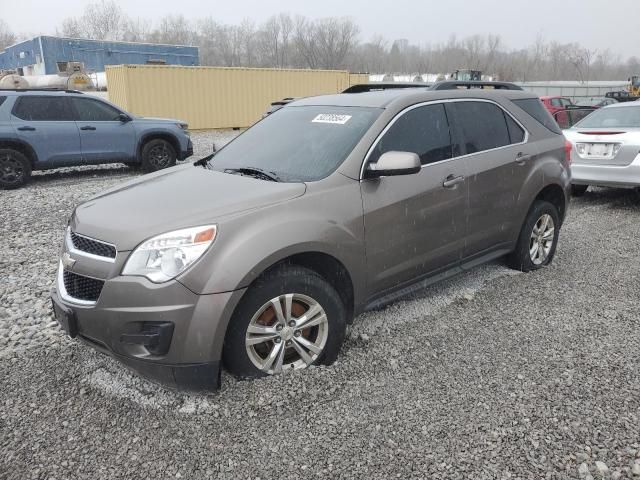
[[596, 24]]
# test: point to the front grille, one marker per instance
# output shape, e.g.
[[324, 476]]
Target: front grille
[[94, 247], [81, 287]]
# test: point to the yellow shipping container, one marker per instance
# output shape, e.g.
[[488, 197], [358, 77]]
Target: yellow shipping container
[[216, 97]]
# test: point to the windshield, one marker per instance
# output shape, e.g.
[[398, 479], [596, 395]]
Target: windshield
[[298, 144], [614, 117]]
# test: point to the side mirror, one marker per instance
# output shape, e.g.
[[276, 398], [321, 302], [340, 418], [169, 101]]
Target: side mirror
[[394, 163], [124, 118]]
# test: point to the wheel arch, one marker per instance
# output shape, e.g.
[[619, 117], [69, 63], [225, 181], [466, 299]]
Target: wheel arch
[[327, 266], [21, 147], [161, 135], [555, 195]]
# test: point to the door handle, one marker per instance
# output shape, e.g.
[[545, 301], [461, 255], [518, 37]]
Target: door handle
[[87, 127], [452, 181], [26, 129], [522, 158]]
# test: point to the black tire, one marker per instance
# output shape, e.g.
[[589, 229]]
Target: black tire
[[578, 190], [286, 280], [15, 169], [158, 154], [521, 257]]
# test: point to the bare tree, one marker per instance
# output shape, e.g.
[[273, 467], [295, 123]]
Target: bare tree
[[283, 41], [275, 39], [306, 42], [335, 38], [174, 29], [7, 37], [104, 20]]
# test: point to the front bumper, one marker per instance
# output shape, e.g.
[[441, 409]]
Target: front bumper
[[184, 154], [606, 175], [125, 309]]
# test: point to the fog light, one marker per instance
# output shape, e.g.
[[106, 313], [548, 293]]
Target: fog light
[[154, 336]]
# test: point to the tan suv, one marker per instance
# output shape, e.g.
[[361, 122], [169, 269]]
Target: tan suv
[[258, 258]]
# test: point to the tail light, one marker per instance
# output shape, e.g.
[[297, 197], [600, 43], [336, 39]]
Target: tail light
[[567, 151]]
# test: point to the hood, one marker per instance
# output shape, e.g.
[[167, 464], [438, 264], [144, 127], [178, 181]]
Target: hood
[[171, 199], [158, 120]]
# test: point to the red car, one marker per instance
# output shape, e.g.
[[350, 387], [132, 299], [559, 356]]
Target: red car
[[555, 104]]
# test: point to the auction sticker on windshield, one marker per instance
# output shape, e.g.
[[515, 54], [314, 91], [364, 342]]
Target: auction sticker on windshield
[[332, 118]]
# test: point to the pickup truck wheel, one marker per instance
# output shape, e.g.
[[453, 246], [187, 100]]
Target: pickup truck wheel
[[578, 190], [158, 154], [288, 320], [15, 169], [538, 238]]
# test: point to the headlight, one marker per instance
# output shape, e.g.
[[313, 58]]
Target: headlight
[[166, 256]]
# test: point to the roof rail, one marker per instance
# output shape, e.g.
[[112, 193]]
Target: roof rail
[[51, 89], [375, 86], [457, 84]]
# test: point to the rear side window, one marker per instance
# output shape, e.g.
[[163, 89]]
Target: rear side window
[[422, 130], [2, 99], [535, 108], [45, 108], [89, 110], [516, 133], [479, 126]]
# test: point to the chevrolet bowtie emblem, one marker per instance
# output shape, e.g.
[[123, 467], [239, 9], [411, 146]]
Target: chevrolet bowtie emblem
[[67, 261]]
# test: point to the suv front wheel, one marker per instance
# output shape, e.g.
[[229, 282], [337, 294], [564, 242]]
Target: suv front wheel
[[538, 239], [288, 320], [158, 154], [15, 169]]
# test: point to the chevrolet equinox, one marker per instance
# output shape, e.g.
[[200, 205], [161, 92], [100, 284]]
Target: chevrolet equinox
[[258, 257]]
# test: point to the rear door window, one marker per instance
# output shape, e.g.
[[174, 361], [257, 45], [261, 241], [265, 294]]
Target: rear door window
[[42, 108], [2, 99], [535, 108], [422, 130], [479, 126], [89, 110], [516, 133]]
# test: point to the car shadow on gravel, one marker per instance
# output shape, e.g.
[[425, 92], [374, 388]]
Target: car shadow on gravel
[[43, 177], [613, 198]]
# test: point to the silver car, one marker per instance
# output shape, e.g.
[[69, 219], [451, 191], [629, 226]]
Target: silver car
[[605, 148]]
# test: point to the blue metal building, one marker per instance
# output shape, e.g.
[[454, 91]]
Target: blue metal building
[[49, 55]]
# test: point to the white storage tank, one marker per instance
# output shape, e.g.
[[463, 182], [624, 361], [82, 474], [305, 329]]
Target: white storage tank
[[75, 81], [13, 81]]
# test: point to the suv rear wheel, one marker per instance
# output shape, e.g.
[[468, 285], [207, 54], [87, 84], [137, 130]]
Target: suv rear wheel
[[15, 168], [158, 154], [538, 238], [290, 319]]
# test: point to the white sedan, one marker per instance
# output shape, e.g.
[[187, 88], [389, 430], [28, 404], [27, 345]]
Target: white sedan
[[605, 148]]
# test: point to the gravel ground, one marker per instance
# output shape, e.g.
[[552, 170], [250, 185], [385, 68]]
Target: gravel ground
[[494, 374]]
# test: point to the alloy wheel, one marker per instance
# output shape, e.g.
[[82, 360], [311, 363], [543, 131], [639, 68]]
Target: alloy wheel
[[542, 238], [11, 170], [159, 156], [288, 332]]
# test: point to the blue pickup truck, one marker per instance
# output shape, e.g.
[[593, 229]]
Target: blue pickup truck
[[43, 129]]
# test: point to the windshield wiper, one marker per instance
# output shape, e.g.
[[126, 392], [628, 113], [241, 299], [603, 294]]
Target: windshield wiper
[[254, 172], [205, 162]]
